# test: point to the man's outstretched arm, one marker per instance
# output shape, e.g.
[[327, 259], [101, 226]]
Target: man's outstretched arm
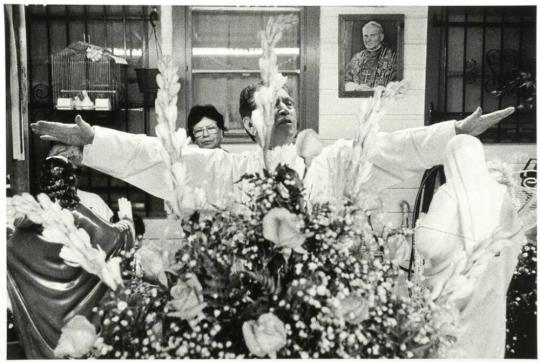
[[136, 159], [401, 154]]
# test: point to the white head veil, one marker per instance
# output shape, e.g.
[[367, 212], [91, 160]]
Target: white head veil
[[478, 195]]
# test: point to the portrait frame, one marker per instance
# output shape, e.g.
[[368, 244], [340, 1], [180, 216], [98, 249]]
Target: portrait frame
[[351, 42]]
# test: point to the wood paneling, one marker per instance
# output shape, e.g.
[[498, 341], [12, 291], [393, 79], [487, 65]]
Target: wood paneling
[[310, 74]]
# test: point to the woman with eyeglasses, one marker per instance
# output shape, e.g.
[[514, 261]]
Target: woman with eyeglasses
[[205, 126]]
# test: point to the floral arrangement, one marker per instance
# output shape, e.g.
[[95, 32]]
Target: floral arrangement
[[283, 280]]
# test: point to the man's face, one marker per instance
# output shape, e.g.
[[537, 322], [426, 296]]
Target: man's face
[[285, 121], [373, 37], [207, 134]]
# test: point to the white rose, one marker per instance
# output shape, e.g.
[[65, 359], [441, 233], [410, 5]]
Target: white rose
[[153, 264], [188, 302], [353, 309], [281, 227], [265, 336], [78, 337]]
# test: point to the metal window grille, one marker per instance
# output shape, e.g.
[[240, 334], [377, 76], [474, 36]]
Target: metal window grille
[[487, 58]]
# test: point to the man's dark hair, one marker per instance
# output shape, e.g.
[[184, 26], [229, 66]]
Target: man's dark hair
[[247, 102], [198, 112]]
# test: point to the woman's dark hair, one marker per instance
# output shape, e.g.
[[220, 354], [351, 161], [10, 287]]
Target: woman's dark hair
[[198, 112], [59, 180]]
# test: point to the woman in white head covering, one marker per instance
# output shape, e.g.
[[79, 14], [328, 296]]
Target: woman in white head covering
[[470, 240]]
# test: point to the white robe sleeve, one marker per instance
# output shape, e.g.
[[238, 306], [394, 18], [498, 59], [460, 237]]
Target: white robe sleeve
[[135, 159], [138, 160], [402, 154], [396, 157]]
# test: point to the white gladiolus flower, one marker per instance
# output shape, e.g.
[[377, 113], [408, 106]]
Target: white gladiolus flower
[[111, 273], [179, 139], [180, 173], [43, 200], [171, 112], [173, 140], [53, 235], [159, 80]]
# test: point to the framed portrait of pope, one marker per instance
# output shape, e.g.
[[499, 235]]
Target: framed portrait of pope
[[370, 52]]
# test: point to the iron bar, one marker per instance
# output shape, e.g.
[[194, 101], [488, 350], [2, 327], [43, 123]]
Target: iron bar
[[482, 67], [126, 112], [463, 83], [446, 62], [239, 71], [145, 62], [501, 70], [517, 119], [66, 19]]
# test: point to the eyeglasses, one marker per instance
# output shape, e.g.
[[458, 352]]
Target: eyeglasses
[[200, 131]]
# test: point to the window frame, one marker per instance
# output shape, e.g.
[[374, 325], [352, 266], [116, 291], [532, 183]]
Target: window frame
[[308, 70]]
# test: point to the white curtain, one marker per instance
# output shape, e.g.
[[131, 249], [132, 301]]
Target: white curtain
[[17, 82]]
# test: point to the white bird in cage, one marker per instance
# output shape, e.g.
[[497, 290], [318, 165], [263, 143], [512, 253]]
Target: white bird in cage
[[77, 103], [86, 102]]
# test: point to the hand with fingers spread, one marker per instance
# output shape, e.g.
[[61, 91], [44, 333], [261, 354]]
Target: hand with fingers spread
[[477, 123], [79, 134], [124, 209]]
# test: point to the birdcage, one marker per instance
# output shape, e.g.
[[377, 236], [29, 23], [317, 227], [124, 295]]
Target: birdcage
[[85, 76]]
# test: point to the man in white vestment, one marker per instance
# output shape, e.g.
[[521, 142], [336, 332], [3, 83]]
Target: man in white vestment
[[137, 159]]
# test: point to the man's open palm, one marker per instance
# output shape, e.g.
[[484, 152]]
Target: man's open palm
[[78, 134], [477, 123]]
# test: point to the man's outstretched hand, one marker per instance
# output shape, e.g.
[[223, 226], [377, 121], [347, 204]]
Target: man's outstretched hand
[[78, 134], [476, 123]]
